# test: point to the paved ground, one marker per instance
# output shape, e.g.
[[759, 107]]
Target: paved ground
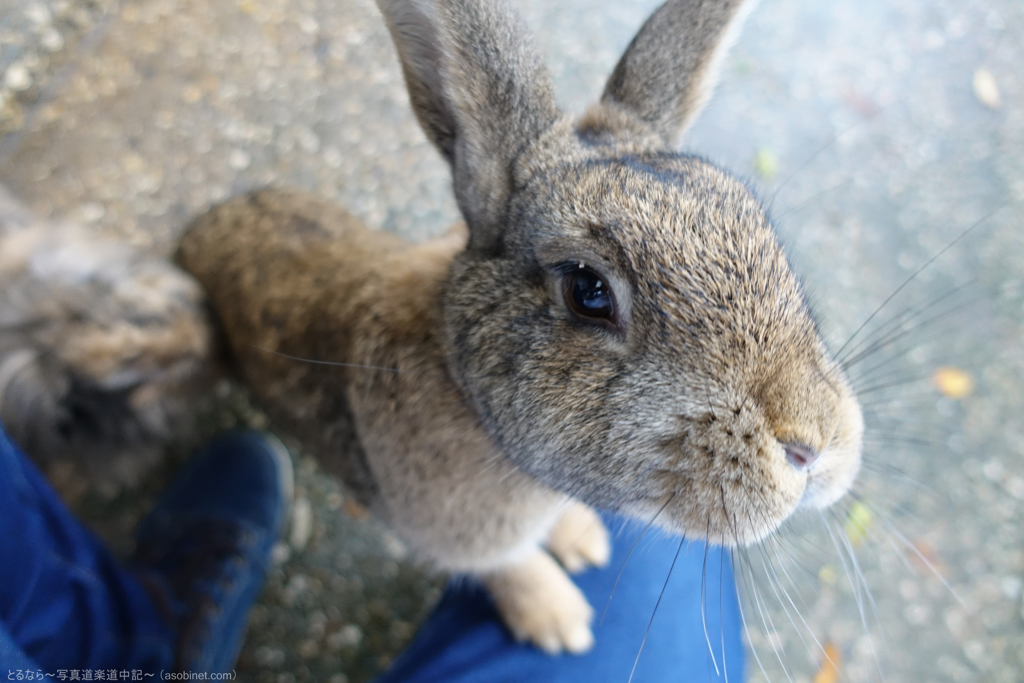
[[864, 121]]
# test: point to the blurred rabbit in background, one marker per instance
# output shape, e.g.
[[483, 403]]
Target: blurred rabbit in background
[[102, 346]]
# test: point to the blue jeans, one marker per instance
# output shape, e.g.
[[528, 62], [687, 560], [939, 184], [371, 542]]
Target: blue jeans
[[65, 603], [64, 600], [464, 641]]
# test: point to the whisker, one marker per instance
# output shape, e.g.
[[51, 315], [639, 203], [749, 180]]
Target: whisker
[[779, 216], [886, 442], [325, 362], [846, 568], [908, 314], [858, 375], [896, 439], [765, 562], [810, 631], [899, 552], [890, 385], [819, 551], [895, 509], [871, 600], [703, 597], [615, 585], [887, 418], [802, 166], [775, 543], [917, 272], [655, 612], [761, 607], [893, 532], [760, 511], [777, 537], [902, 399], [849, 362], [775, 586], [721, 609], [860, 584], [892, 471], [921, 556], [743, 617], [888, 424]]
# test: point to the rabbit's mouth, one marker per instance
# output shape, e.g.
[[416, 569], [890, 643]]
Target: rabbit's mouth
[[736, 488], [835, 470], [726, 512]]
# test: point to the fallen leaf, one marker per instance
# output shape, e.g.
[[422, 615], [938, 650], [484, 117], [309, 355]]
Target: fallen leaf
[[986, 89], [832, 659], [827, 575], [766, 163], [355, 510], [953, 382], [858, 523]]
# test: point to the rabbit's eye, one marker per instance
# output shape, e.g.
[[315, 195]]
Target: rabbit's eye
[[587, 294]]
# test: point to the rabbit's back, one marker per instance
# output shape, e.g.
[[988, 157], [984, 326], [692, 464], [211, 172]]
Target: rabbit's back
[[283, 272]]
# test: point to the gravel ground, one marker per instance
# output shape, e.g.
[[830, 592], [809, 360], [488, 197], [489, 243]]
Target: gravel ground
[[879, 131]]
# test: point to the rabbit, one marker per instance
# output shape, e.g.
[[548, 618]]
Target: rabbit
[[614, 326], [102, 347]]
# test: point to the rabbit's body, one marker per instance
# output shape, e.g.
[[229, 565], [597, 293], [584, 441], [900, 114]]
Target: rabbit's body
[[316, 284], [621, 329], [297, 278]]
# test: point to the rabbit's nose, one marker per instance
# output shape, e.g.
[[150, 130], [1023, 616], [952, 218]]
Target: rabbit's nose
[[799, 455]]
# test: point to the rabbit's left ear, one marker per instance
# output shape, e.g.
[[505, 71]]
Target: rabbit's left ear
[[480, 92], [669, 70]]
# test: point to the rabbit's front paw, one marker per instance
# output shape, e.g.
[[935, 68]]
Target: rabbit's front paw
[[540, 603], [579, 539]]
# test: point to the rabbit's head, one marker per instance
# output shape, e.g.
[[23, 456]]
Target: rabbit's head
[[623, 319]]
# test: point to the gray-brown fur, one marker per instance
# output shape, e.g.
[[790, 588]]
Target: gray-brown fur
[[663, 80], [464, 62], [482, 404], [102, 347], [286, 258]]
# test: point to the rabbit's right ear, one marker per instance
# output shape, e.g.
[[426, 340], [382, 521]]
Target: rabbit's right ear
[[668, 71], [480, 92]]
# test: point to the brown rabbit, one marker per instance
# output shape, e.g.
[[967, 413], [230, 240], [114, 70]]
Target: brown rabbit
[[622, 329], [102, 347]]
